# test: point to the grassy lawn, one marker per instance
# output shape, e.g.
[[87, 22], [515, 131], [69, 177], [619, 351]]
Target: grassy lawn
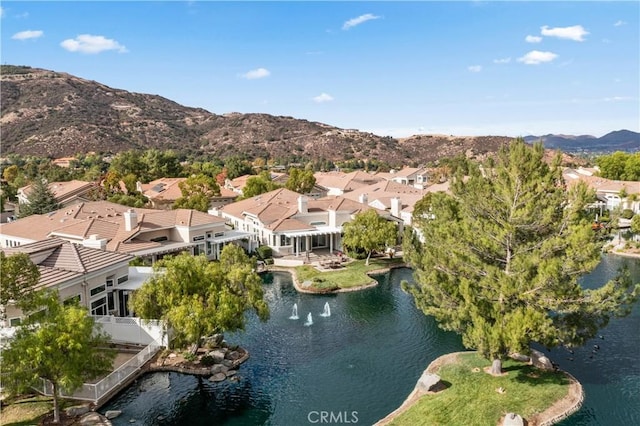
[[26, 411], [352, 274], [472, 399]]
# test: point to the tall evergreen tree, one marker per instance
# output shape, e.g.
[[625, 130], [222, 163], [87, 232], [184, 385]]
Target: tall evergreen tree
[[40, 200], [501, 258]]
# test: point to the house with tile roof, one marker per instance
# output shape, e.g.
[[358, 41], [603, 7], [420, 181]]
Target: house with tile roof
[[66, 193], [412, 176], [163, 192], [146, 233], [611, 194], [90, 276], [339, 183], [291, 223], [396, 198]]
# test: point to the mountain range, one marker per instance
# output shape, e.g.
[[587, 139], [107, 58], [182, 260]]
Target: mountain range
[[620, 140], [55, 114]]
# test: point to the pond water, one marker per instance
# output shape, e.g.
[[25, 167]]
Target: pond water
[[361, 362]]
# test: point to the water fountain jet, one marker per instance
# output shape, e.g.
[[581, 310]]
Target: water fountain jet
[[327, 310], [309, 320], [294, 312]]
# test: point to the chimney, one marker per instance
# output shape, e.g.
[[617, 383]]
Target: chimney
[[396, 206], [303, 204], [130, 220], [139, 186], [95, 242], [332, 218], [363, 198]]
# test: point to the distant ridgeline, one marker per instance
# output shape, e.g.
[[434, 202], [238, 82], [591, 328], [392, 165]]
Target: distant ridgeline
[[621, 140]]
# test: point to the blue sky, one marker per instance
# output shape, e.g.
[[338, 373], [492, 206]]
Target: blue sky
[[393, 68]]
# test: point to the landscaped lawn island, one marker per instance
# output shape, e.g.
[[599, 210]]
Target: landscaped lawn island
[[470, 396], [353, 275]]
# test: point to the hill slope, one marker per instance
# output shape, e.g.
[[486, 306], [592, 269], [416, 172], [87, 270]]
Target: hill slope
[[56, 114]]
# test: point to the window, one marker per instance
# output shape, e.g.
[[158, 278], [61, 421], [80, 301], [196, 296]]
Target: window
[[198, 249], [98, 290], [284, 240], [159, 239], [218, 234], [318, 223], [73, 300], [123, 279], [110, 281], [14, 322], [111, 302], [199, 238], [99, 307]]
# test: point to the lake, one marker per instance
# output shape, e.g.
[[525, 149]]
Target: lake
[[360, 363]]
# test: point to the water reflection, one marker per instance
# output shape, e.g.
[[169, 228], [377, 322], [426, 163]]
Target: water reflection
[[365, 357]]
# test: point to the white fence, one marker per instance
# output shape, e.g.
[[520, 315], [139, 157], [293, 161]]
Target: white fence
[[94, 392], [121, 330], [133, 330]]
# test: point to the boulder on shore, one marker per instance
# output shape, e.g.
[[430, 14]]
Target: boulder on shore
[[428, 381], [539, 360], [512, 419]]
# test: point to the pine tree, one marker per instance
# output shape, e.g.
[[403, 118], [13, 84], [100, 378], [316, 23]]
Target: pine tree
[[500, 259], [40, 200]]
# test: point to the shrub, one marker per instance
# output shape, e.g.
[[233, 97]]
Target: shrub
[[627, 214], [265, 252]]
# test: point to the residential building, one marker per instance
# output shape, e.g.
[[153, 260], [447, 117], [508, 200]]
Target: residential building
[[90, 276], [162, 193], [149, 234], [339, 183], [293, 224], [611, 194], [66, 193], [396, 198]]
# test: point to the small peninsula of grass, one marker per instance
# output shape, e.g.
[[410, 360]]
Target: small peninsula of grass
[[351, 275], [473, 397]]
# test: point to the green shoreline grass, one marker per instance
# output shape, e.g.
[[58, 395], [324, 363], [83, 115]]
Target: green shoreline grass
[[471, 396], [351, 275]]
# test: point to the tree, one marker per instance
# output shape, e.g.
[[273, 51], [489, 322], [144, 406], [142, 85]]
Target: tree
[[236, 167], [369, 231], [199, 298], [40, 200], [18, 277], [197, 192], [62, 347], [620, 166], [501, 259], [635, 224], [301, 181], [259, 184]]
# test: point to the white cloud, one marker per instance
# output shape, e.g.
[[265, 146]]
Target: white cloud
[[23, 15], [533, 39], [575, 33], [475, 68], [502, 61], [359, 20], [323, 97], [87, 43], [1, 12], [26, 35], [536, 57], [256, 74], [618, 99], [619, 23]]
